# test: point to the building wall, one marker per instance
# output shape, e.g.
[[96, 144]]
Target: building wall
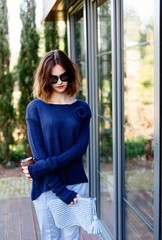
[[115, 44]]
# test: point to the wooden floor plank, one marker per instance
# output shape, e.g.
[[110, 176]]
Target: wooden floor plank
[[86, 236], [13, 230], [3, 218], [27, 220], [18, 221], [37, 231]]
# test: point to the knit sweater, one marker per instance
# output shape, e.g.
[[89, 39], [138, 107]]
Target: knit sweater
[[58, 136]]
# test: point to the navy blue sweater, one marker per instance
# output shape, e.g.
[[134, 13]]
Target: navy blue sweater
[[58, 135]]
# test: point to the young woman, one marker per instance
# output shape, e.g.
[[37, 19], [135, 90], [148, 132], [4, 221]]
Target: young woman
[[58, 134]]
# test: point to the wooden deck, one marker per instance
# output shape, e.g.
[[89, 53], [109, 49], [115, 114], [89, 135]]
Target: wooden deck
[[18, 221]]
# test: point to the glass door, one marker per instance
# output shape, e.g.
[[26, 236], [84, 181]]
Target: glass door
[[105, 124], [138, 25], [77, 26], [78, 40]]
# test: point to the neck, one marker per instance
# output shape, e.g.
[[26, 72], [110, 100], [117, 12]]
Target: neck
[[60, 98]]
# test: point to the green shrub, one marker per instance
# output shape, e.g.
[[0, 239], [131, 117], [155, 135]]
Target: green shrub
[[135, 147], [17, 153]]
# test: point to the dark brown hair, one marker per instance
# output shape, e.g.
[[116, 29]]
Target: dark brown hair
[[42, 88]]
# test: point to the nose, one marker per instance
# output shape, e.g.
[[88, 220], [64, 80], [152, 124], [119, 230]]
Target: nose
[[59, 81]]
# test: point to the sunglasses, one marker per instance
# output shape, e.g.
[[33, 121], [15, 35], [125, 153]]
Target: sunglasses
[[63, 77]]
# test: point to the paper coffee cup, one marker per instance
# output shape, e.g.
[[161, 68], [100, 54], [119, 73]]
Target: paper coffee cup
[[27, 161]]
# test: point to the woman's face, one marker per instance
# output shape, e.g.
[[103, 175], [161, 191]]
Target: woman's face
[[59, 79]]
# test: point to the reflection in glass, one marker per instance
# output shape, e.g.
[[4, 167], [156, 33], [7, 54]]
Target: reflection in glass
[[138, 117], [135, 227], [80, 51], [105, 170], [104, 58], [139, 173], [139, 88], [139, 68], [80, 60], [105, 85], [106, 174], [104, 26]]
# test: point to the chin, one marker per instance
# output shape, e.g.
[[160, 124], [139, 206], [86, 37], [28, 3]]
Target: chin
[[60, 90]]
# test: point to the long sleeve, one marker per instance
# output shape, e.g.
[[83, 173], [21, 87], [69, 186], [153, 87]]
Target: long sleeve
[[59, 188], [37, 148]]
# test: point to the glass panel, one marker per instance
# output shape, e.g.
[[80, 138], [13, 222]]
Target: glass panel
[[80, 51], [105, 170], [135, 227], [104, 26], [139, 66], [139, 88], [104, 58], [139, 172], [138, 23], [105, 85], [106, 173], [139, 115], [79, 39]]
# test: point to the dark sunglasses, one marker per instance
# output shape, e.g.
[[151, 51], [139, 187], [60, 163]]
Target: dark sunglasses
[[63, 77]]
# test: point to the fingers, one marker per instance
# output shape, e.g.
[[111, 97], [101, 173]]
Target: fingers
[[26, 172], [75, 200], [24, 167], [28, 176]]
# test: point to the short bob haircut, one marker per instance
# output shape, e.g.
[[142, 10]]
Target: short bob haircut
[[42, 88]]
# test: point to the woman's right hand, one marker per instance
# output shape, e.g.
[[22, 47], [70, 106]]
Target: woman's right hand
[[26, 172], [75, 200]]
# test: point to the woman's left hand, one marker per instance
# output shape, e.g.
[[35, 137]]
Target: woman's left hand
[[26, 172], [75, 200]]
